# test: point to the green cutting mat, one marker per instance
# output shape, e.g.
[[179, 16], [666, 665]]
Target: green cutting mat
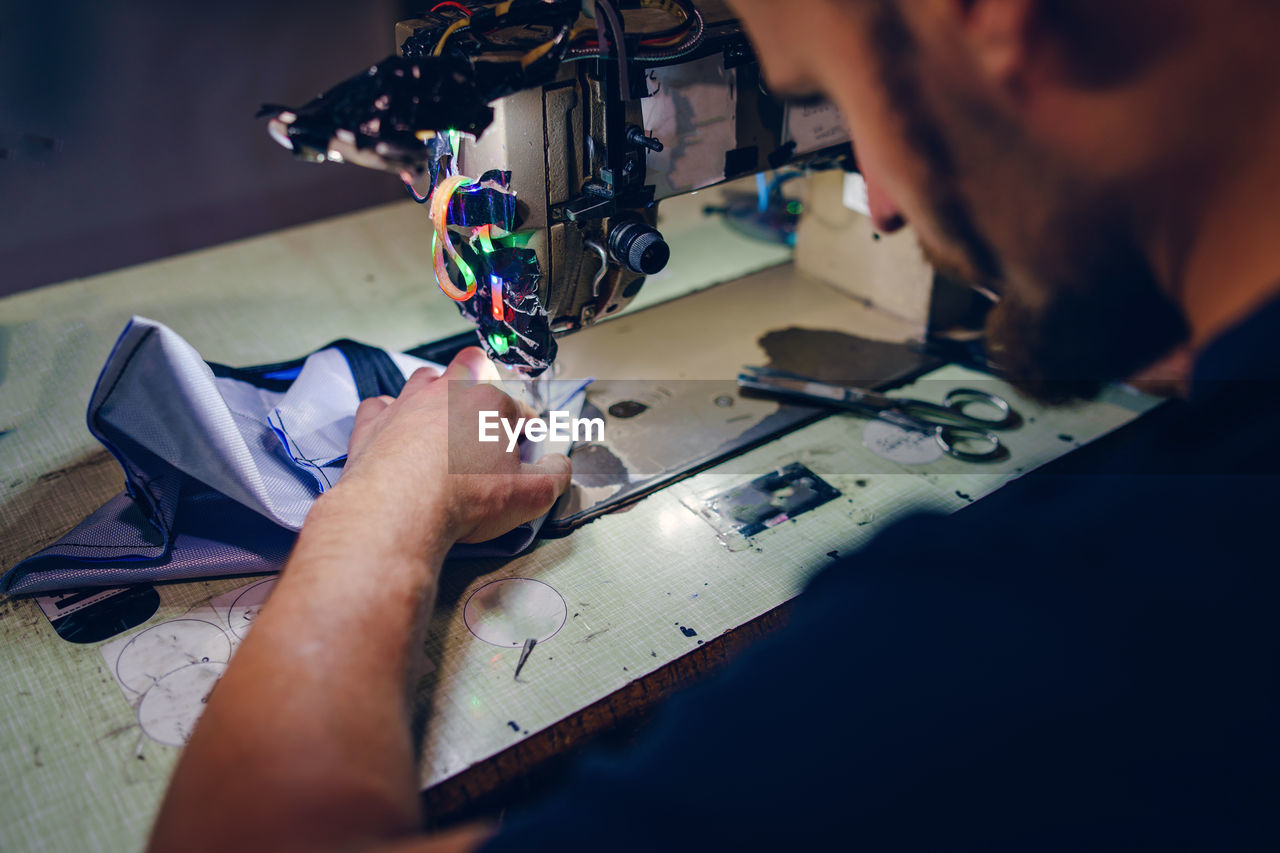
[[638, 588]]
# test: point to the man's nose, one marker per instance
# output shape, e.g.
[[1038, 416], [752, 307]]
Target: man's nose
[[885, 215]]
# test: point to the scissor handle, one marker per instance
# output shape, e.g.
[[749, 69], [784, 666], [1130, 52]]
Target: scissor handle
[[952, 412], [958, 398], [950, 438]]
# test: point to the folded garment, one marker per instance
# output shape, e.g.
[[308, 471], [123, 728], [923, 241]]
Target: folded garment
[[222, 464]]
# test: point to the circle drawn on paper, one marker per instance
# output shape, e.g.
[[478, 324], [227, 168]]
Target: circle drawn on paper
[[169, 710], [163, 648], [897, 444], [244, 610], [508, 612]]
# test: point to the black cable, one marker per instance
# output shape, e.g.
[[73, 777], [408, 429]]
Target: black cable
[[686, 46], [690, 43], [669, 32], [618, 37]]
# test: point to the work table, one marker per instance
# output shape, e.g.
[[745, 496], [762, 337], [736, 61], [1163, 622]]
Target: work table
[[651, 596]]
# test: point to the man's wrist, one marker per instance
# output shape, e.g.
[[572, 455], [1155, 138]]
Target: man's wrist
[[371, 516]]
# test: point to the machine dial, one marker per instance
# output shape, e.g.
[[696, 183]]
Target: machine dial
[[639, 247]]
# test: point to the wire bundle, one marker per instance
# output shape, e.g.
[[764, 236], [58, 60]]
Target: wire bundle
[[570, 42], [660, 45]]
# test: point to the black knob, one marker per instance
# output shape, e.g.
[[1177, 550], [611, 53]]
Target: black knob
[[635, 135], [639, 247]]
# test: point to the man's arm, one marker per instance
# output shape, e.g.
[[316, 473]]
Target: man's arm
[[306, 741]]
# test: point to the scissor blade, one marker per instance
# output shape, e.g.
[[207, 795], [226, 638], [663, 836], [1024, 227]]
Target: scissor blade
[[762, 372], [816, 391]]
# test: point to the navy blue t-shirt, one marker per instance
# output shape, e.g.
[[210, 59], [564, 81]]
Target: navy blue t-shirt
[[1082, 660]]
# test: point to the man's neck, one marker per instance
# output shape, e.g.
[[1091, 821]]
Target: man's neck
[[1230, 258]]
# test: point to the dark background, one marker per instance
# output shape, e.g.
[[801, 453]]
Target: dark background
[[127, 129]]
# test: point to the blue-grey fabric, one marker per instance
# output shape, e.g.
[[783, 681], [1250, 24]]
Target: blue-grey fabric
[[220, 470]]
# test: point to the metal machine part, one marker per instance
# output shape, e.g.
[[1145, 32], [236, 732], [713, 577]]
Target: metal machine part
[[639, 248], [590, 129]]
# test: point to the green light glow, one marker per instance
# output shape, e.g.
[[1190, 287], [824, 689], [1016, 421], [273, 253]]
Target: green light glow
[[485, 243], [499, 342], [463, 267], [467, 274], [794, 208]]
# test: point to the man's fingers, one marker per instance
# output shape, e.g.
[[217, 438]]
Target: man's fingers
[[524, 410], [542, 484], [370, 407], [556, 466], [537, 486], [468, 367], [420, 378], [366, 414], [534, 491]]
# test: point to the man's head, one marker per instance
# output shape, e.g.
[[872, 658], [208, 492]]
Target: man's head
[[1031, 144]]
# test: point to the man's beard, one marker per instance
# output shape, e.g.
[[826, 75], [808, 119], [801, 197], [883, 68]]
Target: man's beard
[[1085, 308], [1105, 320]]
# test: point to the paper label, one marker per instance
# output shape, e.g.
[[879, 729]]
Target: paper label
[[693, 111], [815, 126]]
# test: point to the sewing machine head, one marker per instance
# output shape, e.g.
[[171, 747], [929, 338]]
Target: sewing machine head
[[541, 144]]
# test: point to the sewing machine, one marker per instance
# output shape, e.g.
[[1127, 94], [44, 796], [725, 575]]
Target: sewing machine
[[552, 151], [543, 156]]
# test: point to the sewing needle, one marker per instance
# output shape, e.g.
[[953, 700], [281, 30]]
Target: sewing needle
[[524, 656]]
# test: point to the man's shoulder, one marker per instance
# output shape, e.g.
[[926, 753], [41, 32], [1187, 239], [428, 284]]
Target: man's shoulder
[[1044, 670], [1166, 499]]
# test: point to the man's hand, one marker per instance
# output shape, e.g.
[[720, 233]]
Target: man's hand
[[307, 739], [421, 452]]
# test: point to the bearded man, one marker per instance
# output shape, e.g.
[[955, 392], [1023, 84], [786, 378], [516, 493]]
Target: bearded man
[[1077, 662]]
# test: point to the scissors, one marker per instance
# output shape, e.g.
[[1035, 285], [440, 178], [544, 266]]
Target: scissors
[[951, 426]]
